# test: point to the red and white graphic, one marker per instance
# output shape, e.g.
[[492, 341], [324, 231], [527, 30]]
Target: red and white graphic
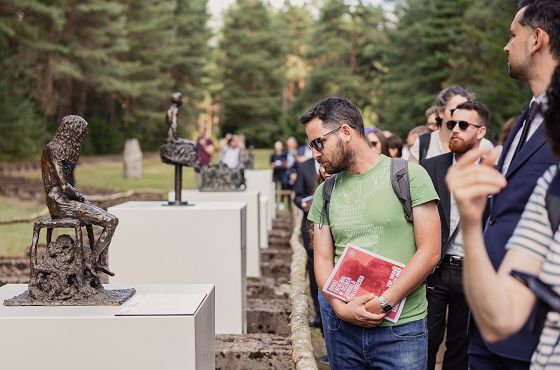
[[360, 272]]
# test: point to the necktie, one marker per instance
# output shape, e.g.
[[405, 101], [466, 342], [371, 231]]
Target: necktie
[[533, 111]]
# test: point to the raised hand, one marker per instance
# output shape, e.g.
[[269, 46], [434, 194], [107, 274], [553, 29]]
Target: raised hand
[[471, 183]]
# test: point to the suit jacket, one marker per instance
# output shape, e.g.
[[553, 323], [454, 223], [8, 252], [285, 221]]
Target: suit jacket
[[437, 168], [305, 182], [505, 211]]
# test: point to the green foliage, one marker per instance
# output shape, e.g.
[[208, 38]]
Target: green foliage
[[251, 64], [115, 62], [481, 64]]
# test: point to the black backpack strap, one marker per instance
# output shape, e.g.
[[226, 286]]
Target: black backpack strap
[[424, 141], [552, 202], [401, 185], [327, 192]]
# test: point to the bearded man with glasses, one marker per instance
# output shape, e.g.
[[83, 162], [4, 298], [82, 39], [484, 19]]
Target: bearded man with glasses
[[467, 128], [365, 211]]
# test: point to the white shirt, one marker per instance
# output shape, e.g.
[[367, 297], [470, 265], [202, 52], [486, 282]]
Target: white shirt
[[230, 156], [537, 121], [457, 247]]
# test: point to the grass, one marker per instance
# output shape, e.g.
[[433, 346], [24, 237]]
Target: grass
[[15, 239]]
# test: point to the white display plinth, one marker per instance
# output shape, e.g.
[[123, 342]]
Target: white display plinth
[[261, 180], [251, 198], [263, 223], [93, 338], [200, 244]]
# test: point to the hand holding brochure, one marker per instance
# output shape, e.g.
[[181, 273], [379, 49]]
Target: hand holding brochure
[[360, 272]]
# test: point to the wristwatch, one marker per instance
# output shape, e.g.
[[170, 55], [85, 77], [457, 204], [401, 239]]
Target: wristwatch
[[384, 305]]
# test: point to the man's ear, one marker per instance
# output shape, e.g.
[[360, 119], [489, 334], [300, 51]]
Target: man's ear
[[540, 40], [346, 131], [481, 133]]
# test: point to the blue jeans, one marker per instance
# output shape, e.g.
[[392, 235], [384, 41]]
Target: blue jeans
[[390, 347]]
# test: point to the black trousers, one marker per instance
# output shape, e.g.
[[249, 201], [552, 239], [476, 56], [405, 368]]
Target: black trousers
[[445, 295], [313, 289]]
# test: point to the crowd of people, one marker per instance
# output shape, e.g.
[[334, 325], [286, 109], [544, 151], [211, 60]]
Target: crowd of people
[[481, 250]]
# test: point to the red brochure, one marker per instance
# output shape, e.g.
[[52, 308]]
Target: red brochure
[[360, 272]]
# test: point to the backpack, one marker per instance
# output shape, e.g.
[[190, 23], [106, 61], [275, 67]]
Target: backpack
[[424, 141], [399, 181]]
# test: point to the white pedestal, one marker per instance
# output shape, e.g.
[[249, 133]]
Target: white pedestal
[[93, 338], [202, 244], [261, 180], [251, 198], [263, 223]]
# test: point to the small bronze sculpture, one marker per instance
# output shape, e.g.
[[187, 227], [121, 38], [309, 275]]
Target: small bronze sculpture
[[68, 274], [178, 151], [220, 177]]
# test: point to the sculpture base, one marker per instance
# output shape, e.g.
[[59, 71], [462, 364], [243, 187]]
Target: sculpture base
[[221, 190], [173, 203], [102, 298]]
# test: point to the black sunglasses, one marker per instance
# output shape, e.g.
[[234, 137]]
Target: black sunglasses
[[317, 143], [463, 125]]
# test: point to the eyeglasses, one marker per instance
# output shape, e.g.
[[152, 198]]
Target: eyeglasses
[[317, 143], [463, 125]]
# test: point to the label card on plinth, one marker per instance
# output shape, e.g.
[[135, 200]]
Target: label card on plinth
[[160, 304]]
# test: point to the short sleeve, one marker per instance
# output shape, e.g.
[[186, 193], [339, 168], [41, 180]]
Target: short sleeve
[[421, 187], [415, 150], [533, 233], [316, 212]]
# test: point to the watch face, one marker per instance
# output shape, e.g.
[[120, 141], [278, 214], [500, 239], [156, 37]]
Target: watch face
[[387, 308]]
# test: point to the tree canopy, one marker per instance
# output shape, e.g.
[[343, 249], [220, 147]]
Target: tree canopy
[[116, 63]]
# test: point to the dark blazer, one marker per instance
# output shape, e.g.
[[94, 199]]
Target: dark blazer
[[505, 211], [437, 168], [305, 182]]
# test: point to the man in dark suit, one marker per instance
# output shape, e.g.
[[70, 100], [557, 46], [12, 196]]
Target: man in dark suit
[[304, 187], [533, 53], [445, 286]]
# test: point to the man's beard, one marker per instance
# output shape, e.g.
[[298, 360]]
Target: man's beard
[[342, 159], [520, 72], [460, 146]]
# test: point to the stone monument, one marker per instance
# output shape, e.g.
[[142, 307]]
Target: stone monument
[[178, 151], [132, 159], [69, 272]]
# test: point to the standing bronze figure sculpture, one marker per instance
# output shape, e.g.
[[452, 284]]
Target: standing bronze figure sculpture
[[178, 151], [68, 274]]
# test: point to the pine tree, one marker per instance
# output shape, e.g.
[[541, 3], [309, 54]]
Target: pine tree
[[252, 70], [191, 53], [481, 64], [422, 48]]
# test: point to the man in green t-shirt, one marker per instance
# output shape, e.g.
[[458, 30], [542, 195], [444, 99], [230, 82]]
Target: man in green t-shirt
[[365, 211]]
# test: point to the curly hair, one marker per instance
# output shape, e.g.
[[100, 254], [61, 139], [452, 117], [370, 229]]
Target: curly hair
[[67, 138], [552, 115]]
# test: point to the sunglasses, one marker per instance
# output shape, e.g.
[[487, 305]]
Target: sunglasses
[[317, 143], [463, 125]]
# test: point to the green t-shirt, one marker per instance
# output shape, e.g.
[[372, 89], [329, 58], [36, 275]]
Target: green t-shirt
[[365, 211]]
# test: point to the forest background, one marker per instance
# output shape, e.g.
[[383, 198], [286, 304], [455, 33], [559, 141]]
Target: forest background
[[116, 62]]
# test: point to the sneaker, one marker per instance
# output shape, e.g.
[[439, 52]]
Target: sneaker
[[323, 359]]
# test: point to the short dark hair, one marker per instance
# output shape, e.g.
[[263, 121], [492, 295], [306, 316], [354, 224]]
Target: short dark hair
[[335, 111], [544, 14], [552, 115], [483, 113]]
